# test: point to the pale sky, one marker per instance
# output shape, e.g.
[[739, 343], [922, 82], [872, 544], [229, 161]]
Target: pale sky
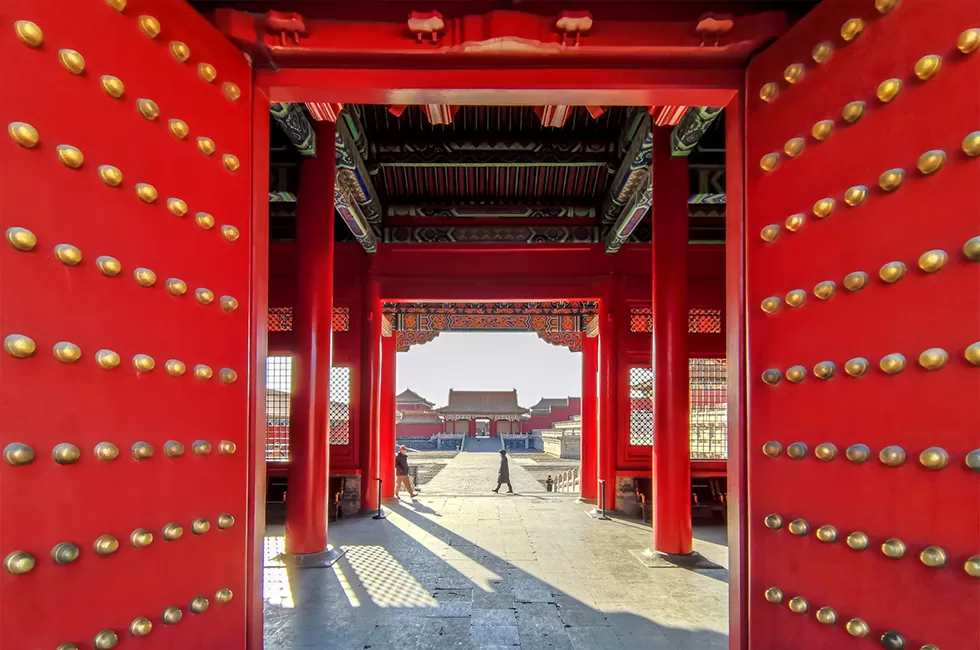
[[490, 361]]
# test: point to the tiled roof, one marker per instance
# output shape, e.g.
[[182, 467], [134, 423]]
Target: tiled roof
[[547, 403], [479, 403], [408, 396]]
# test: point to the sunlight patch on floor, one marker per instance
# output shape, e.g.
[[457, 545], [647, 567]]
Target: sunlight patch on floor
[[345, 585], [276, 589], [386, 581]]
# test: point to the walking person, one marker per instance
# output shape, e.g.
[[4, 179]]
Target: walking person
[[401, 472], [503, 474]]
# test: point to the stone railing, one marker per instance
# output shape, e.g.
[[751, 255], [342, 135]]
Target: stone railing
[[568, 481]]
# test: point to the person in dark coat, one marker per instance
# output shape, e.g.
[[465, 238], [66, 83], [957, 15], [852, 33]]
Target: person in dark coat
[[401, 472], [503, 474]]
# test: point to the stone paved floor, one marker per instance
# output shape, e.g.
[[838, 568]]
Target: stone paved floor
[[476, 473], [492, 572]]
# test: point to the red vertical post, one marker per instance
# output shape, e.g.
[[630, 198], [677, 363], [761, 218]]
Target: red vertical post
[[671, 410], [493, 427], [387, 423], [590, 412], [608, 404], [309, 448], [370, 398], [472, 427]]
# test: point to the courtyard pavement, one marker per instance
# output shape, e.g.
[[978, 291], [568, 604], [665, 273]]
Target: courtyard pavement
[[494, 572], [476, 473]]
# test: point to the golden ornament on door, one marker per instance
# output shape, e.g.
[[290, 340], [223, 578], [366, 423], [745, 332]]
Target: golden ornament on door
[[145, 277], [771, 304], [772, 449], [110, 175], [223, 595], [933, 358], [971, 144], [201, 447], [230, 161], [108, 265], [177, 207], [204, 296], [70, 156], [19, 346], [825, 290], [889, 90], [205, 146], [885, 6], [141, 538], [229, 303], [797, 451], [854, 196], [822, 130], [21, 239], [64, 553], [140, 626], [68, 255], [892, 456], [794, 147], [105, 545], [172, 616], [141, 450], [826, 451], [180, 51], [796, 374], [178, 128], [105, 640], [107, 359], [232, 92], [771, 376], [227, 376], [225, 521], [794, 72], [18, 563], [934, 458], [822, 52], [199, 605], [770, 233], [971, 354], [855, 281], [971, 249], [857, 627], [173, 449], [892, 272], [824, 207], [774, 595], [768, 92], [106, 451], [891, 179], [892, 364], [229, 232], [799, 605], [931, 161], [894, 549], [17, 453], [204, 220], [28, 33], [827, 616], [172, 532], [858, 541], [796, 298], [200, 526], [175, 368], [146, 192], [932, 261], [67, 352], [858, 453], [26, 135], [795, 221], [769, 161], [853, 111], [113, 86], [799, 527], [972, 566], [72, 61], [852, 29], [827, 534], [928, 66], [149, 26], [203, 372], [933, 557], [969, 41], [226, 448], [207, 72], [148, 108], [143, 363], [65, 453], [176, 286], [774, 522]]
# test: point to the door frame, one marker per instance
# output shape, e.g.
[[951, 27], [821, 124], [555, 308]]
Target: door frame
[[506, 85]]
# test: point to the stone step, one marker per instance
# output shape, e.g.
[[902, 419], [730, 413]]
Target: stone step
[[568, 424]]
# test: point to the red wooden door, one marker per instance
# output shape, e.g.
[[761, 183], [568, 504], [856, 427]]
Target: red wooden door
[[864, 302], [124, 280]]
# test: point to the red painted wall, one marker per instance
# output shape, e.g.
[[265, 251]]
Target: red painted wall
[[417, 430], [558, 414]]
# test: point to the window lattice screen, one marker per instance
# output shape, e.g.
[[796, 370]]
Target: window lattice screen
[[641, 319], [278, 382], [341, 319], [641, 406], [709, 408], [278, 378], [340, 405], [704, 321], [280, 319]]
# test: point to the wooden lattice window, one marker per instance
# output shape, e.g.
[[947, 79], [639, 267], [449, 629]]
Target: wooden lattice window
[[641, 406], [704, 321], [341, 319], [340, 378], [280, 319], [641, 319]]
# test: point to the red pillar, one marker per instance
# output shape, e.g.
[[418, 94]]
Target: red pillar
[[387, 422], [309, 441], [493, 427], [473, 427], [370, 397], [590, 411], [672, 429], [608, 404]]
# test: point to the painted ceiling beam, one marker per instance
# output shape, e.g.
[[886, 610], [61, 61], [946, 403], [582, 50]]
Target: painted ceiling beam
[[352, 174], [631, 193], [690, 129], [484, 152], [294, 123]]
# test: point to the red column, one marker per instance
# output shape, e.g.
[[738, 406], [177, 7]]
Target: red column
[[473, 427], [672, 437], [371, 397], [590, 411], [309, 442], [493, 427], [387, 423], [608, 404]]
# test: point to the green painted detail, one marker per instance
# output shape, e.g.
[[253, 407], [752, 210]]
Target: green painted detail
[[692, 126]]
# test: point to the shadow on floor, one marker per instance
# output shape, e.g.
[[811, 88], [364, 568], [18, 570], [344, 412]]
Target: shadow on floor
[[409, 583]]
